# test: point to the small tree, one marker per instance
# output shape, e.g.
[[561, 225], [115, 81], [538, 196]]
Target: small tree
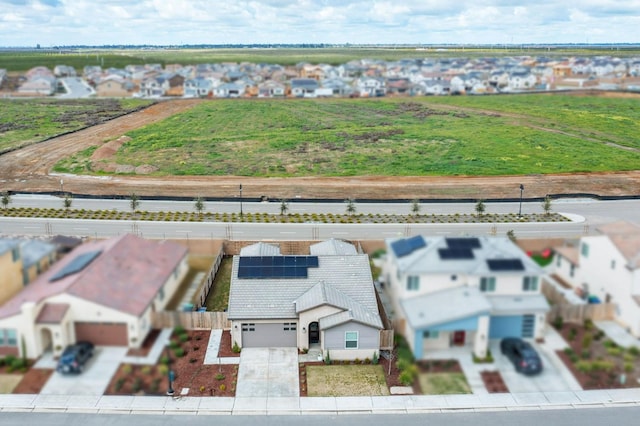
[[6, 199], [199, 205], [415, 206], [480, 207], [67, 201], [284, 207], [511, 235], [134, 202], [546, 205], [351, 206]]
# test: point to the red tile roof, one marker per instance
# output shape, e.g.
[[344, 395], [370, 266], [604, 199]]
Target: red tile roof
[[52, 313], [126, 276]]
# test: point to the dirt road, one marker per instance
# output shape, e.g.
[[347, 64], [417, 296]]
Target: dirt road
[[29, 169]]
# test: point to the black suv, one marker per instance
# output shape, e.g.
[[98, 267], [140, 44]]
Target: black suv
[[75, 357], [523, 356]]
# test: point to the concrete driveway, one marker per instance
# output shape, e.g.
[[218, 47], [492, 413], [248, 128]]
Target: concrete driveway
[[268, 372], [555, 377], [93, 380]]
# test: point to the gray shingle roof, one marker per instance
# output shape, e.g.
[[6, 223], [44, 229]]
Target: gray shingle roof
[[338, 280], [34, 250], [8, 245], [520, 304], [332, 247], [260, 249]]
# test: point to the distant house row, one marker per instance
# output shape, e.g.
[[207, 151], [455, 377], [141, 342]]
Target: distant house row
[[358, 78]]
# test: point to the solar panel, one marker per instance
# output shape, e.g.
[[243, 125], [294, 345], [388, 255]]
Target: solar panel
[[455, 253], [276, 266], [470, 243], [416, 242], [76, 265], [505, 264], [407, 246]]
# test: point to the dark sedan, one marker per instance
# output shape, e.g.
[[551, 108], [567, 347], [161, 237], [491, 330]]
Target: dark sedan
[[523, 356], [74, 358]]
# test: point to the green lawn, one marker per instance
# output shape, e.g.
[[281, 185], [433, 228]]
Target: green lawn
[[392, 137], [218, 298], [346, 380], [443, 383], [24, 121]]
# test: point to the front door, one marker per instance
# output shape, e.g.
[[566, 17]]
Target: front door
[[314, 333], [458, 338]]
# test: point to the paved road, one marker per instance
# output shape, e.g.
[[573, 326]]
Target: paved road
[[581, 417], [76, 88]]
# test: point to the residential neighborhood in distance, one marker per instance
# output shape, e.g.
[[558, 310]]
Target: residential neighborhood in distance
[[357, 78]]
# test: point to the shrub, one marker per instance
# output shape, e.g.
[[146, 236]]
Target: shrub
[[588, 324], [118, 385], [367, 361], [569, 351], [614, 350], [610, 344], [236, 349], [573, 358], [146, 370], [220, 376], [193, 360], [628, 357], [357, 361], [202, 388], [1, 362], [628, 367], [222, 387], [487, 359], [572, 334], [585, 354], [17, 364], [183, 337], [163, 369], [164, 360], [602, 365], [586, 340], [599, 335], [155, 385], [137, 385], [179, 330], [633, 350], [584, 366], [178, 352], [403, 364], [408, 375], [327, 359], [173, 344], [127, 369], [558, 322], [375, 359]]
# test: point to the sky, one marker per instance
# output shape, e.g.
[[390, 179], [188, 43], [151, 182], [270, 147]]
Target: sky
[[175, 22]]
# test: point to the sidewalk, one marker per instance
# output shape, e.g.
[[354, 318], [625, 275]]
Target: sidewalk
[[327, 406]]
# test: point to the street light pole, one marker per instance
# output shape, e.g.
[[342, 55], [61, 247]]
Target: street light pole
[[240, 201], [520, 208], [61, 186]]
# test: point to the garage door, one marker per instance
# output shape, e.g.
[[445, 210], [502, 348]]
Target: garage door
[[265, 335], [506, 326], [103, 334]]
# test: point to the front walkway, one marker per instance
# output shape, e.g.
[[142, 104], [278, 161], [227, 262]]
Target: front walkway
[[618, 333]]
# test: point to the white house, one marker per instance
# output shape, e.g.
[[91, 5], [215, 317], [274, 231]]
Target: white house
[[103, 292], [607, 267], [324, 300], [462, 291]]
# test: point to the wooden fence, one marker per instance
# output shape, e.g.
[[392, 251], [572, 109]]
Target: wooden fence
[[211, 275], [579, 313], [190, 320], [386, 340]]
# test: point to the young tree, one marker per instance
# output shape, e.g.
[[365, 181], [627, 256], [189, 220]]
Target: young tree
[[66, 202], [480, 207], [546, 205], [351, 206], [6, 199], [284, 207], [415, 206], [134, 202], [199, 205], [511, 235]]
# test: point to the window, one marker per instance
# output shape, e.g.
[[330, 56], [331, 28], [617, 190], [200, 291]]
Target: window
[[454, 277], [249, 327], [488, 284], [8, 337], [430, 334], [530, 284], [15, 254], [613, 264], [25, 277], [572, 270], [584, 250], [161, 293], [351, 340], [413, 283], [558, 260], [290, 326]]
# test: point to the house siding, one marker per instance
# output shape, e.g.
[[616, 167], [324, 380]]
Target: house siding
[[334, 339]]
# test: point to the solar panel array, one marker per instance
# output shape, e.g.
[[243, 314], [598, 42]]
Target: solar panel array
[[505, 264], [269, 267], [407, 246], [455, 253], [471, 243], [76, 265]]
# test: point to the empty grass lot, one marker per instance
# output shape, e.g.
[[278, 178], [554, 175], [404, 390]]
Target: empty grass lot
[[443, 383], [346, 380], [492, 135]]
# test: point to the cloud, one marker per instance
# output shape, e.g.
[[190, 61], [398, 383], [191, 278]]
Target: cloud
[[66, 22]]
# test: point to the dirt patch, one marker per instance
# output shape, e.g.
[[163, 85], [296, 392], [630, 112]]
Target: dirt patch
[[493, 382], [109, 149], [33, 381], [146, 346], [226, 346]]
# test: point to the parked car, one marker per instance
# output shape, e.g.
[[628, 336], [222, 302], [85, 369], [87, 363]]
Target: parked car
[[523, 356], [75, 357]]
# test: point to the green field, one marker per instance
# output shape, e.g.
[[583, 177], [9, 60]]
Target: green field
[[22, 61], [392, 137], [24, 121]]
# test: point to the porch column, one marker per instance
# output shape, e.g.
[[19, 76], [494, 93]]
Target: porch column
[[481, 340]]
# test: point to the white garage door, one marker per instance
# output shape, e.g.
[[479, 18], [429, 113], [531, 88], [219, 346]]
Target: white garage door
[[265, 335]]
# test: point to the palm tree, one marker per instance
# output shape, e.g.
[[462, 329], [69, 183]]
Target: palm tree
[[199, 205], [6, 199], [415, 206], [546, 205], [134, 202], [351, 206], [511, 235], [284, 207], [480, 207], [68, 200]]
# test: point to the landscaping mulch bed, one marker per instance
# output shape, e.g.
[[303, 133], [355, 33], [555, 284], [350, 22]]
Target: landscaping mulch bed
[[226, 347], [595, 361], [146, 345], [189, 372], [33, 381], [493, 382]]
